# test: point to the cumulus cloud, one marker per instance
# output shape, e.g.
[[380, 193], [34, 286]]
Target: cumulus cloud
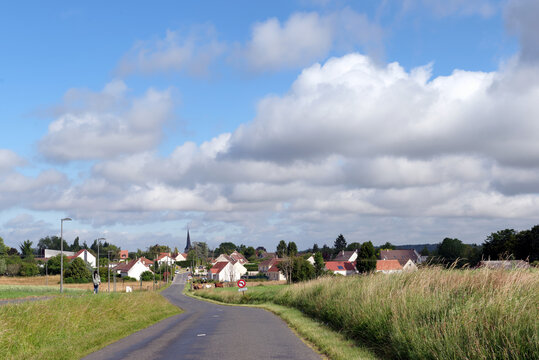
[[192, 53], [106, 124], [521, 17], [308, 37], [9, 160]]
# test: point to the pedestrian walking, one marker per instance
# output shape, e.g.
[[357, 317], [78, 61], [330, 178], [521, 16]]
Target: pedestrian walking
[[97, 280]]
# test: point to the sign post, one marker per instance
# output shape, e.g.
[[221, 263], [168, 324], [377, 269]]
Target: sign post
[[241, 284]]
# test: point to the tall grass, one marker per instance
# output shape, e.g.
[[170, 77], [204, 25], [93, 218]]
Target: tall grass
[[69, 327], [429, 314], [21, 291]]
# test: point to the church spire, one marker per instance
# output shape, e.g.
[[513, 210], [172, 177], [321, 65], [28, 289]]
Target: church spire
[[188, 244]]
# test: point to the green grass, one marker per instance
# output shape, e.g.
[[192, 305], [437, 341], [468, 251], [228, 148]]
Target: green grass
[[429, 314], [22, 291], [69, 327]]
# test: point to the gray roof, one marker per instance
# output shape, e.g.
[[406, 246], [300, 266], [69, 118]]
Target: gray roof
[[401, 255]]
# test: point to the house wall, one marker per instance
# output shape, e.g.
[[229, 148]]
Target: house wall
[[89, 258], [276, 276], [136, 270]]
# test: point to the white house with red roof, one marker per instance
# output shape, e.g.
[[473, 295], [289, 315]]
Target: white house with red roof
[[239, 257], [84, 255], [227, 271], [345, 268], [165, 258], [179, 257], [274, 274], [394, 266], [133, 268], [265, 265]]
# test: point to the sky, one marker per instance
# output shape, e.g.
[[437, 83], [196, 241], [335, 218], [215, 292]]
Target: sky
[[405, 121]]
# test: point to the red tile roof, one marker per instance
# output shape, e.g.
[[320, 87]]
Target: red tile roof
[[274, 268], [218, 267], [77, 254], [340, 266], [125, 267], [145, 261], [385, 265], [124, 254]]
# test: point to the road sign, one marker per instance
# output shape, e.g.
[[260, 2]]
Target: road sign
[[242, 283], [242, 289]]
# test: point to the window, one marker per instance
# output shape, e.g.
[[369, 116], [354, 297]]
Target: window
[[340, 267]]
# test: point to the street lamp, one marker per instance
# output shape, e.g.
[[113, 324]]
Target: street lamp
[[98, 240], [62, 253]]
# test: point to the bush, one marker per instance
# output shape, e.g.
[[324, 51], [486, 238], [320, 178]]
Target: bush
[[79, 271], [146, 276], [251, 267], [127, 278], [28, 269], [71, 280], [366, 265]]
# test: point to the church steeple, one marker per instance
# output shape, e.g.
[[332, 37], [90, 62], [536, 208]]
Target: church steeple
[[188, 244]]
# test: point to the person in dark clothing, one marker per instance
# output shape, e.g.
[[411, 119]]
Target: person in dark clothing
[[97, 280]]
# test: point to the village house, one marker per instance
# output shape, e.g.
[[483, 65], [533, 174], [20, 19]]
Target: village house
[[344, 268], [504, 264], [401, 255], [265, 265], [394, 266], [133, 269], [349, 256], [274, 274], [239, 257], [227, 271], [179, 257], [223, 257], [124, 255], [83, 254], [165, 258]]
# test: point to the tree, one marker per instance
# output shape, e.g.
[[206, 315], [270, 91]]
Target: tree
[[353, 246], [500, 245], [282, 249], [225, 248], [79, 271], [315, 248], [340, 243], [302, 270], [319, 266], [424, 251], [26, 249], [387, 246], [365, 265], [366, 260], [326, 252], [28, 268], [50, 242], [451, 250], [250, 253], [53, 264], [12, 252], [3, 247], [292, 249], [286, 265], [366, 251], [75, 246], [527, 244]]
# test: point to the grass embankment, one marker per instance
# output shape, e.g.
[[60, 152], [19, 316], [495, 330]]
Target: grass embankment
[[429, 314], [22, 291], [69, 327]]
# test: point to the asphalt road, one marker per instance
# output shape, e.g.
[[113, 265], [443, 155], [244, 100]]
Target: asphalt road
[[210, 331]]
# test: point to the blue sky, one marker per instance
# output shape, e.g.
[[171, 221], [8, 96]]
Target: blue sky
[[139, 120]]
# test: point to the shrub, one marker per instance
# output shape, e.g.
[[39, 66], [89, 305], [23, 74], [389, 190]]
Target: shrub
[[127, 278], [366, 265], [146, 276], [79, 271], [251, 267], [28, 269]]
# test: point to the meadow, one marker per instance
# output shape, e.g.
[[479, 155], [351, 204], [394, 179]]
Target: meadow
[[72, 326], [432, 313], [23, 291]]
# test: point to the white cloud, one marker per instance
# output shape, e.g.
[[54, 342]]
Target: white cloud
[[308, 37], [106, 124], [192, 53], [9, 160]]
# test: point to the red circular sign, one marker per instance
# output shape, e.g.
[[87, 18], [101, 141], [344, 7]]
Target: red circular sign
[[242, 283]]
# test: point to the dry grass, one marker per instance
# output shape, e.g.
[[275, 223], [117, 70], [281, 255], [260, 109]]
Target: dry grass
[[429, 314]]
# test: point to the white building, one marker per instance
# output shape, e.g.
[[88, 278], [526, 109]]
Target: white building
[[133, 269], [227, 271]]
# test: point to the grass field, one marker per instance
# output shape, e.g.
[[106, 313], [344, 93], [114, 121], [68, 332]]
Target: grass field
[[54, 281], [429, 314], [69, 327], [22, 291]]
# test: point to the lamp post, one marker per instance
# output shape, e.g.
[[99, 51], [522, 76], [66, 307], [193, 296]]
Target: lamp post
[[62, 253], [109, 269], [98, 240]]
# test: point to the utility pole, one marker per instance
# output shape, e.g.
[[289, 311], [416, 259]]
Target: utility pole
[[109, 270], [62, 253]]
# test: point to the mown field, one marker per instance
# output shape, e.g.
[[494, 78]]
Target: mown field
[[22, 291], [429, 314], [54, 281], [72, 326]]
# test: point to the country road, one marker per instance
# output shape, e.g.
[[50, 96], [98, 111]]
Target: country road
[[210, 331]]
